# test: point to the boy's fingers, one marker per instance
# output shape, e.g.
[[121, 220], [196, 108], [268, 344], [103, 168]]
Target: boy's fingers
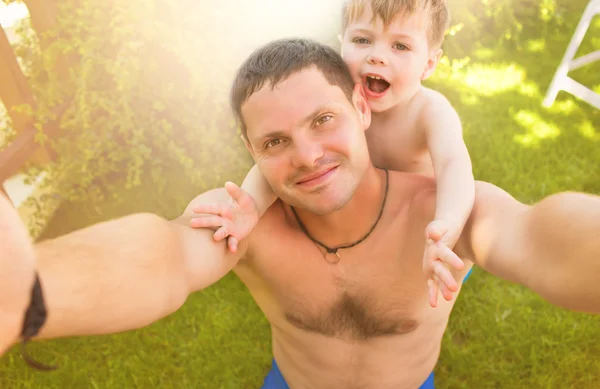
[[433, 293], [234, 191], [443, 288], [212, 208], [446, 293], [435, 230], [449, 257], [207, 221], [445, 276], [232, 243], [429, 258], [221, 233]]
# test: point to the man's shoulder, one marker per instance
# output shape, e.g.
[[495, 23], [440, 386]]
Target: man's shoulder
[[274, 218], [415, 190], [488, 195]]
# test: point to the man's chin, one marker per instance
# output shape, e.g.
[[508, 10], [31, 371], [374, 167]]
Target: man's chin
[[320, 206]]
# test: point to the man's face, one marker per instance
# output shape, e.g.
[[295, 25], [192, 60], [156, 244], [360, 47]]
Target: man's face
[[391, 61], [308, 140]]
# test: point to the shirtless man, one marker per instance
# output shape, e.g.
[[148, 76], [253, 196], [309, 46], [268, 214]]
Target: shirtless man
[[360, 320]]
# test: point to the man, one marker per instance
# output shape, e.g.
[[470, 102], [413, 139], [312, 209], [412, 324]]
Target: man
[[355, 316]]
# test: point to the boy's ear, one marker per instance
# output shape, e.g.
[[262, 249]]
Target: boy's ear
[[434, 59], [341, 43], [359, 100]]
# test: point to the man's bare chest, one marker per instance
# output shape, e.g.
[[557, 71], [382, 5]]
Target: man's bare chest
[[376, 289]]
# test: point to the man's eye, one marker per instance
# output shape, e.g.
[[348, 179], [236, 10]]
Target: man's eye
[[272, 143], [323, 119], [361, 41]]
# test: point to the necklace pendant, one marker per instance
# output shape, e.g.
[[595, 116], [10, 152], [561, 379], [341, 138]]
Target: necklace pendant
[[335, 260]]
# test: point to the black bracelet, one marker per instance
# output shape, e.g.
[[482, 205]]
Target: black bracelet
[[35, 317]]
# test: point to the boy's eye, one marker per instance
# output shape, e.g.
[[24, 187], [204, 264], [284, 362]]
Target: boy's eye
[[400, 46], [361, 41]]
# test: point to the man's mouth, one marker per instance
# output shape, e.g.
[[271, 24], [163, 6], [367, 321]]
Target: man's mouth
[[316, 178], [376, 84]]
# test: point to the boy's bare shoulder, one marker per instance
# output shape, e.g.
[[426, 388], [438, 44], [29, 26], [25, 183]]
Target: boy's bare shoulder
[[434, 102], [435, 109]]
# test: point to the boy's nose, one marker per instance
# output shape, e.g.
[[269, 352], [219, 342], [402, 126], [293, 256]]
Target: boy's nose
[[376, 58]]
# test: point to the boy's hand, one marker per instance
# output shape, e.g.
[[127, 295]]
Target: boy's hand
[[437, 261], [233, 220]]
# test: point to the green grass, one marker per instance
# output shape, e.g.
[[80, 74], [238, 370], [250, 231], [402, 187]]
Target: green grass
[[500, 335]]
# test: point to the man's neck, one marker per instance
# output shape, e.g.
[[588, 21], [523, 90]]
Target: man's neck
[[353, 221]]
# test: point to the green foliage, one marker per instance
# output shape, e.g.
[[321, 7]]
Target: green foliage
[[502, 23], [143, 103]]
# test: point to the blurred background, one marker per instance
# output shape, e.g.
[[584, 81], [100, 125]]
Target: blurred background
[[110, 107]]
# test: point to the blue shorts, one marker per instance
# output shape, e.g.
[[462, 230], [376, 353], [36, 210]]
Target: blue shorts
[[468, 274], [274, 380]]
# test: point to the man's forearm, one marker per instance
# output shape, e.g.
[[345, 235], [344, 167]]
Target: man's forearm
[[113, 276], [562, 261]]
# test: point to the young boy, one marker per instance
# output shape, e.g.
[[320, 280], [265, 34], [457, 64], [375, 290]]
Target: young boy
[[390, 46]]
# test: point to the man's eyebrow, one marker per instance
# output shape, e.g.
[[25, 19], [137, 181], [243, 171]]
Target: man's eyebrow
[[314, 114], [307, 119], [272, 134]]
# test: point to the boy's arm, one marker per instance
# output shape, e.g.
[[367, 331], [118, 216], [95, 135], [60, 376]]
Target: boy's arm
[[125, 273], [234, 219], [257, 186], [551, 247], [452, 166]]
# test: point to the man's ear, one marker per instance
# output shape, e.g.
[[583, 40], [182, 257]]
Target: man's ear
[[359, 100], [434, 59]]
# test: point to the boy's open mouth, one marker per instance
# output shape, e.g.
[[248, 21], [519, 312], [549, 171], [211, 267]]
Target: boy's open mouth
[[376, 83]]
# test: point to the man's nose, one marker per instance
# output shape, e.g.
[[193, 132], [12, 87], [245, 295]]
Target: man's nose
[[307, 151]]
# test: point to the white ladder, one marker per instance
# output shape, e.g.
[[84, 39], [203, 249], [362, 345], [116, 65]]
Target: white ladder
[[561, 80]]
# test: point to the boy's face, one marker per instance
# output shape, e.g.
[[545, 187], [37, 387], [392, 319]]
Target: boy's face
[[389, 63]]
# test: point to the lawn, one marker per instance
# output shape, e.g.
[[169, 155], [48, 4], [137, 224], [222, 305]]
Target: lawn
[[500, 335]]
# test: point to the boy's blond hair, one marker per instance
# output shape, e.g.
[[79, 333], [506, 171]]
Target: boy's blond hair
[[389, 10]]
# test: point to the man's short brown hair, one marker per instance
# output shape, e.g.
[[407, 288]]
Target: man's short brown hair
[[276, 61], [389, 10]]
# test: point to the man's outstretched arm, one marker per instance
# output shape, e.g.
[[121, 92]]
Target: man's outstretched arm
[[551, 247], [126, 273]]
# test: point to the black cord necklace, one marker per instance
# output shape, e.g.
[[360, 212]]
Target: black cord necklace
[[334, 250]]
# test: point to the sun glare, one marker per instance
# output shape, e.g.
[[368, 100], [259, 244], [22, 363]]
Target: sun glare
[[12, 13]]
